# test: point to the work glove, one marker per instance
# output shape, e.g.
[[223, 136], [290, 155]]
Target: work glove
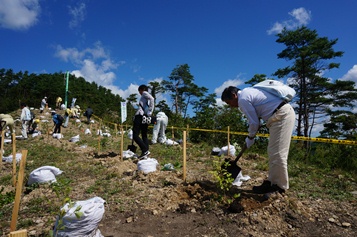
[[249, 142]]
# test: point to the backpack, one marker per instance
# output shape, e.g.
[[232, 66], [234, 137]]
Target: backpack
[[277, 88]]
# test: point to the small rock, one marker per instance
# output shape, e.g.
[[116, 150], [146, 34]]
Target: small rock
[[346, 224], [129, 219], [331, 220]]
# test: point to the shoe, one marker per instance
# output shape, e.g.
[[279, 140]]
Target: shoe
[[275, 189], [263, 188], [144, 155]]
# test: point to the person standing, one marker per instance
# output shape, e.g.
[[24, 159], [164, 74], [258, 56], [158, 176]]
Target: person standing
[[57, 120], [279, 115], [43, 104], [67, 115], [158, 133], [58, 102], [88, 113], [146, 106], [25, 120]]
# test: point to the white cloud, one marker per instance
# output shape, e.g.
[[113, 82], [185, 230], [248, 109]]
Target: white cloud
[[231, 82], [78, 14], [19, 14], [351, 75], [95, 65], [301, 16]]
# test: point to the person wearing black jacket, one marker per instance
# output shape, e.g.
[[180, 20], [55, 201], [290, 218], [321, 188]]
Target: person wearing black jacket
[[88, 113], [146, 106]]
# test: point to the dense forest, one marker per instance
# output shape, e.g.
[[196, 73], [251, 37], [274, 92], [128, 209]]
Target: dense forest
[[17, 87]]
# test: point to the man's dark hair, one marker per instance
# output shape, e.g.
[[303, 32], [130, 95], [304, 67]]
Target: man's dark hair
[[23, 104], [228, 93], [143, 87]]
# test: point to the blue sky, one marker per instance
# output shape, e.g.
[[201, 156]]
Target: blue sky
[[121, 44]]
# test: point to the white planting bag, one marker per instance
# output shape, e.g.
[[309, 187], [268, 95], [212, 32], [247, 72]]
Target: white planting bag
[[128, 154], [240, 178], [44, 174], [87, 131], [57, 135], [87, 224], [224, 150], [74, 139], [9, 158], [170, 142], [147, 165], [130, 134]]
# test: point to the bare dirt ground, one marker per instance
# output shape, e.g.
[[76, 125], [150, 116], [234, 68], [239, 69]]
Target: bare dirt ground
[[161, 203]]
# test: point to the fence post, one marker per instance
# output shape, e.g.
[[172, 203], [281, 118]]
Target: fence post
[[122, 143], [13, 136], [184, 156], [20, 180]]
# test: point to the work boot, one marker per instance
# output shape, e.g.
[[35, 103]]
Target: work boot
[[265, 187], [275, 189]]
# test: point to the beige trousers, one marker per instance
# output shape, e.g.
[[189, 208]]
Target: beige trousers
[[281, 125]]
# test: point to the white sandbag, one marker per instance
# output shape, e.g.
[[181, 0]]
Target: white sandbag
[[44, 174], [215, 151], [240, 178], [7, 140], [99, 132], [170, 142], [128, 154], [74, 139], [86, 225], [78, 120], [35, 134], [9, 158], [147, 165], [87, 131], [105, 134], [224, 150], [130, 134], [57, 135]]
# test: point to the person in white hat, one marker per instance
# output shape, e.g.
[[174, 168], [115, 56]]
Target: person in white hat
[[43, 104]]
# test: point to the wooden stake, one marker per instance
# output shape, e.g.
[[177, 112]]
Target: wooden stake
[[121, 143], [172, 131], [184, 156], [20, 180], [2, 145], [18, 233], [13, 136]]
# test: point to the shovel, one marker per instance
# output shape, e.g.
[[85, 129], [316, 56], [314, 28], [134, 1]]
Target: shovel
[[232, 166]]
